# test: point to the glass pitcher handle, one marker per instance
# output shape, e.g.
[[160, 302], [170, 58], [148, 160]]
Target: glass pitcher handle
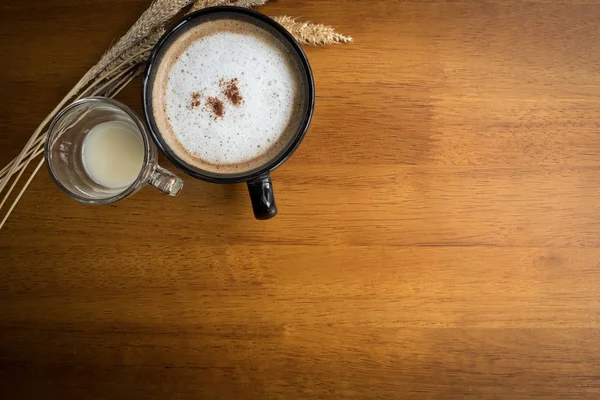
[[165, 181]]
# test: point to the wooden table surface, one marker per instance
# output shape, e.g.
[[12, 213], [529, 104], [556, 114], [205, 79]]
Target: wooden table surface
[[438, 236]]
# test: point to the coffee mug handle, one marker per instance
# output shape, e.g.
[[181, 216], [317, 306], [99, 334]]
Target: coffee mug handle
[[262, 197]]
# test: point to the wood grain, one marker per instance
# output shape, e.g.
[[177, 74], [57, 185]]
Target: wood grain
[[438, 236]]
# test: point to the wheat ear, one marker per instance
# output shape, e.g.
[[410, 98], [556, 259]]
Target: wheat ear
[[200, 4], [159, 13], [313, 34], [248, 3]]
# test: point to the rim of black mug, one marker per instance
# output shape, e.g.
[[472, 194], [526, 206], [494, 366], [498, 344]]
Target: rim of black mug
[[290, 148]]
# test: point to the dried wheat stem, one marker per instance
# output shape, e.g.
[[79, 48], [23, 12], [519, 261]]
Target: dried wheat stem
[[140, 55], [38, 150], [37, 153], [21, 193], [6, 168], [313, 34], [113, 89], [97, 90], [25, 164]]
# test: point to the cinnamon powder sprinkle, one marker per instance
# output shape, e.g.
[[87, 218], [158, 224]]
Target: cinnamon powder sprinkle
[[216, 106], [231, 91], [196, 97]]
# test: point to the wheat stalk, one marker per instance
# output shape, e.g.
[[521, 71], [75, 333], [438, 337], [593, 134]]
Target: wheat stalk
[[27, 153], [12, 207], [313, 34]]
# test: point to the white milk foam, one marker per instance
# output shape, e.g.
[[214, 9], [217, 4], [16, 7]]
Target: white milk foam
[[203, 125]]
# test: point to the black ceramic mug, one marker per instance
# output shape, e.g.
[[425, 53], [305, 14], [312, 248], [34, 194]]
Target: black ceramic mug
[[258, 179]]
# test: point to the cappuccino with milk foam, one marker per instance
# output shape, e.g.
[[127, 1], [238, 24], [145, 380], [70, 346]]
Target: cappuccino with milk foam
[[228, 96]]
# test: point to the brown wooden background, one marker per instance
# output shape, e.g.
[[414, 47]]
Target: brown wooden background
[[438, 236]]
